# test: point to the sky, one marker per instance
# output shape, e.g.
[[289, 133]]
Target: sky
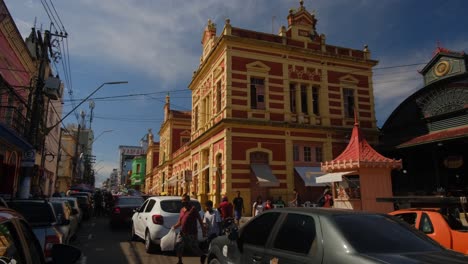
[[155, 46]]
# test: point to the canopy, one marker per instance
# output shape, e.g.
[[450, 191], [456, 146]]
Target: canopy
[[333, 177], [264, 175], [309, 175]]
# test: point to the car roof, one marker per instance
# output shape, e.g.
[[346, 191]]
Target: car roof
[[7, 213], [322, 211], [164, 197]]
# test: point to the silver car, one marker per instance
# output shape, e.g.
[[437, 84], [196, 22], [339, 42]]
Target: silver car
[[66, 223], [76, 211], [320, 235]]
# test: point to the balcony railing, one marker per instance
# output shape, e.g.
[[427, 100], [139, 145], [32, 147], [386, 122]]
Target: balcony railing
[[13, 118]]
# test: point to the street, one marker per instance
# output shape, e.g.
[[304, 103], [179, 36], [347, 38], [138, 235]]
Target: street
[[99, 243]]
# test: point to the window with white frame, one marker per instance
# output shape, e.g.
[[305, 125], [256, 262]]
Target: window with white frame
[[257, 93]]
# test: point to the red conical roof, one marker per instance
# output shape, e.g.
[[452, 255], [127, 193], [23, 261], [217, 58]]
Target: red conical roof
[[358, 154]]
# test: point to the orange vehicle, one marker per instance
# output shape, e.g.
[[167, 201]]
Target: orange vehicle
[[444, 228], [439, 217]]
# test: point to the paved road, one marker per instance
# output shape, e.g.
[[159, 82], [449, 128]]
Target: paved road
[[102, 245]]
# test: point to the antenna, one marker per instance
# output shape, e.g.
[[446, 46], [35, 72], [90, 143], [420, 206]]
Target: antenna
[[272, 24]]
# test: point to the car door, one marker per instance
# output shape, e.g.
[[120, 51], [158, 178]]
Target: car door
[[296, 241], [255, 235], [146, 215], [137, 222]]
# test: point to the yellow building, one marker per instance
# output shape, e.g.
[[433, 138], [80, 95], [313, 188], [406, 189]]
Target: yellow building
[[266, 110], [65, 163]]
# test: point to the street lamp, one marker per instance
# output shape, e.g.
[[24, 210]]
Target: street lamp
[[25, 187], [84, 100], [105, 131]]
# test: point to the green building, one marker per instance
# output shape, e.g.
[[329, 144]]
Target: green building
[[137, 178]]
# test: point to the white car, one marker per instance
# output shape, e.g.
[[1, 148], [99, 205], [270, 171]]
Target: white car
[[155, 217]]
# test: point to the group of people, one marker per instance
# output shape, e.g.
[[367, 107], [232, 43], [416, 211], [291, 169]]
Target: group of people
[[211, 222], [211, 219]]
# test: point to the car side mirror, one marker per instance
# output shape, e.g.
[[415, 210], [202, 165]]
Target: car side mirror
[[65, 254]]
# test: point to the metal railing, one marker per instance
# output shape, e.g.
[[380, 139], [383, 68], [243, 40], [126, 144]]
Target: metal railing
[[14, 118]]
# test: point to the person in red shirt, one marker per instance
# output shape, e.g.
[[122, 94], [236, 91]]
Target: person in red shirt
[[187, 238], [268, 205], [226, 209]]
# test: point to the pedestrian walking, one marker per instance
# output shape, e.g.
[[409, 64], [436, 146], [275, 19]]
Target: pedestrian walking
[[212, 220], [238, 208], [296, 202], [226, 208], [257, 207], [187, 238]]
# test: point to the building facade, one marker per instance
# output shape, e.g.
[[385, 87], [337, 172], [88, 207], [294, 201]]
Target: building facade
[[429, 130], [126, 156], [266, 110], [17, 69], [137, 178]]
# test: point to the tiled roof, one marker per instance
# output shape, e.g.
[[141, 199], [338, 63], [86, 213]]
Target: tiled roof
[[437, 136], [358, 154]]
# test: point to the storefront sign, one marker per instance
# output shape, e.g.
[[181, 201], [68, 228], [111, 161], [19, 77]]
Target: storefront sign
[[453, 162], [132, 151], [28, 158]]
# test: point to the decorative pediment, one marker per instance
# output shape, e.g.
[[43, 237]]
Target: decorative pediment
[[185, 133], [443, 67], [349, 79], [218, 71], [258, 66]]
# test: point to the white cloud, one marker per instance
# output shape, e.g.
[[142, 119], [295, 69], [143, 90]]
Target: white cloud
[[103, 170]]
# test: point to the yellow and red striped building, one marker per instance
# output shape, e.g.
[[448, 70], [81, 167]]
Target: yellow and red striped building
[[267, 109]]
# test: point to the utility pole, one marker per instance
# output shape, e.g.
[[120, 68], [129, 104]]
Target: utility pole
[[37, 111]]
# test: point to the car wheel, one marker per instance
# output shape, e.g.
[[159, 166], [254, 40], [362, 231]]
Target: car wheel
[[214, 261], [149, 246], [133, 236]]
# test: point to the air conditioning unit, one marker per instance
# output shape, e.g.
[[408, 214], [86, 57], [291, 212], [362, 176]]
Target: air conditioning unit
[[53, 88]]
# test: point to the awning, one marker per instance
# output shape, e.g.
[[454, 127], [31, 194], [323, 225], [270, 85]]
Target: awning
[[309, 175], [204, 168], [333, 177], [447, 134], [171, 181], [264, 175]]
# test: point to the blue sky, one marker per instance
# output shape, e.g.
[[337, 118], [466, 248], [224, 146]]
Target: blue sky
[[155, 46]]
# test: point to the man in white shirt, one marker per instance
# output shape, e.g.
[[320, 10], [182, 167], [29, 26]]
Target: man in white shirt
[[212, 221]]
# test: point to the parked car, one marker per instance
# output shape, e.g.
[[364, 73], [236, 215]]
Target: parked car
[[20, 245], [41, 216], [443, 227], [87, 194], [123, 208], [66, 223], [155, 217], [85, 206], [76, 211], [324, 235]]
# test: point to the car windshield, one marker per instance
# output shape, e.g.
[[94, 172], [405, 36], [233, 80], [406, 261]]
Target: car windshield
[[36, 213], [58, 207], [174, 206], [130, 201], [381, 234]]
